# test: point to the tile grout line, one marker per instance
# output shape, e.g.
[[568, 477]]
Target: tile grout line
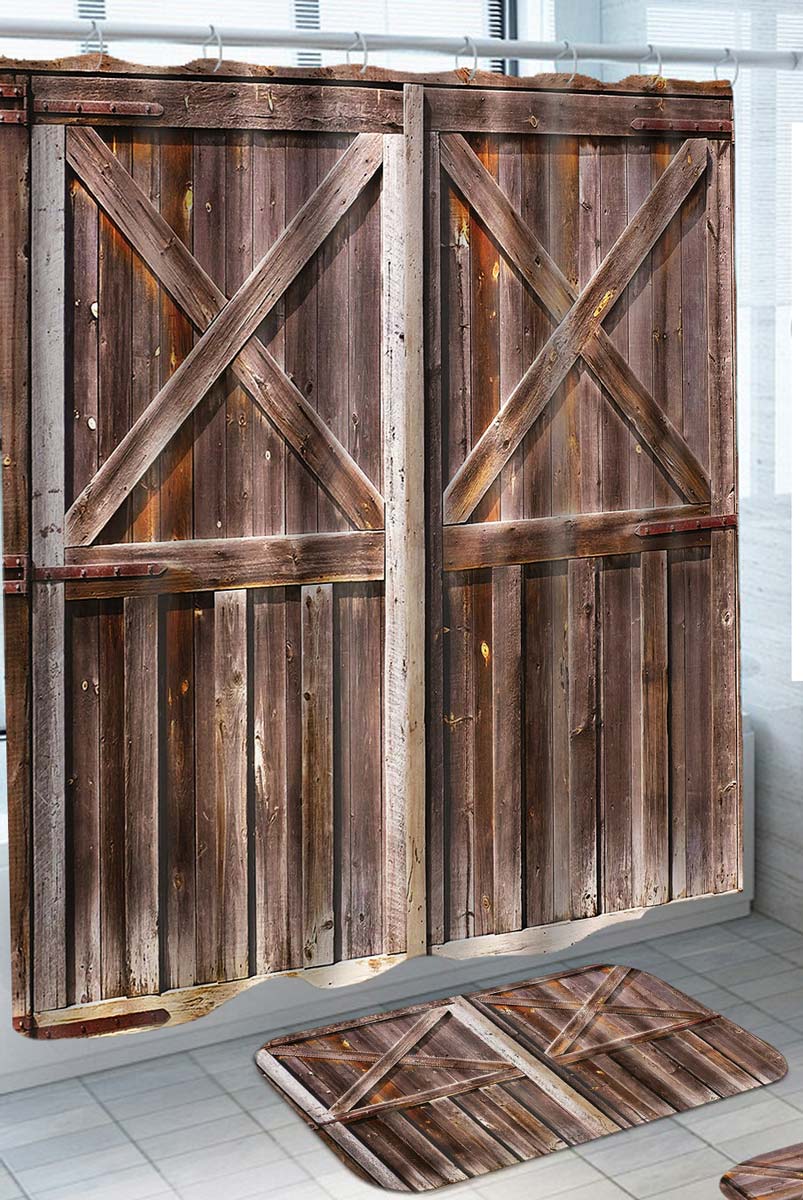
[[13, 1174], [133, 1141]]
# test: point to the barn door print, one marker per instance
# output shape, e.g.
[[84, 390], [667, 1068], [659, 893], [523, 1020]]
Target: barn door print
[[225, 472], [583, 617]]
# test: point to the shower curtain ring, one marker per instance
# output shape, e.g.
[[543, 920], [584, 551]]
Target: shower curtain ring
[[96, 34], [657, 55], [214, 36], [361, 43], [469, 46], [728, 57]]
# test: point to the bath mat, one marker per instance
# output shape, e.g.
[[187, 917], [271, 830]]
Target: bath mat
[[446, 1091], [774, 1176]]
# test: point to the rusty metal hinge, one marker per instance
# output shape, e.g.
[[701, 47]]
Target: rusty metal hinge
[[98, 108], [665, 125], [94, 1026], [686, 525], [18, 572], [15, 114]]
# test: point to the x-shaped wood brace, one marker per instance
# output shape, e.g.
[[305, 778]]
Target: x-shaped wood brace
[[579, 332], [599, 1004], [228, 330]]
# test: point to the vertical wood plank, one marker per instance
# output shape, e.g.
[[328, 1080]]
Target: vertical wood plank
[[436, 648], [403, 474], [177, 813], [141, 635], [507, 599], [563, 233], [458, 709], [363, 437], [651, 853], [14, 421], [276, 809], [47, 548], [83, 619], [317, 774], [539, 892], [619, 606], [141, 707], [209, 479], [485, 268], [585, 483], [115, 330], [231, 760], [725, 711]]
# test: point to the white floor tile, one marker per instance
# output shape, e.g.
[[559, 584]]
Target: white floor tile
[[685, 1169], [8, 1186]]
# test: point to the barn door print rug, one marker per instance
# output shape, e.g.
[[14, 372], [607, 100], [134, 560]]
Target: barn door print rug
[[442, 1092], [777, 1175]]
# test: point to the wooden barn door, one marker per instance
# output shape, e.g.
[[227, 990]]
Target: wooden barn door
[[583, 696], [224, 576]]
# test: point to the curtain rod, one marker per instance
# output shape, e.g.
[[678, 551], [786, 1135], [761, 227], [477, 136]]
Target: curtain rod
[[360, 43]]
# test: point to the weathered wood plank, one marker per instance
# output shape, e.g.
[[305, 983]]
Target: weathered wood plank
[[177, 678], [651, 868], [202, 299], [317, 774], [552, 539], [114, 383], [14, 421], [506, 639], [48, 191], [209, 104], [83, 621], [579, 326], [456, 617], [141, 706], [478, 110], [219, 564], [220, 344], [434, 278], [232, 764], [403, 473], [558, 294], [725, 707]]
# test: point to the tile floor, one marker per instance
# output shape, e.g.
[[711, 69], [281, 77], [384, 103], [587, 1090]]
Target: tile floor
[[203, 1125]]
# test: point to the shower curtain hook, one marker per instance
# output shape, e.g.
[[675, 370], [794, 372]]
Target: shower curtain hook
[[657, 54], [574, 66], [728, 57], [645, 57], [469, 46], [359, 43], [96, 34], [214, 36]]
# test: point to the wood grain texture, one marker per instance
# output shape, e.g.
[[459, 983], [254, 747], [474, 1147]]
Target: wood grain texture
[[48, 188], [578, 327], [14, 420], [454, 1089], [199, 104], [537, 266], [403, 434], [775, 1175], [222, 342]]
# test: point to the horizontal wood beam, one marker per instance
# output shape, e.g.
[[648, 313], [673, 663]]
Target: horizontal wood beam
[[214, 564], [551, 539], [213, 104], [477, 110]]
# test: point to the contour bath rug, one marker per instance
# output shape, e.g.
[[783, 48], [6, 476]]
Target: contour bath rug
[[445, 1091], [777, 1175]]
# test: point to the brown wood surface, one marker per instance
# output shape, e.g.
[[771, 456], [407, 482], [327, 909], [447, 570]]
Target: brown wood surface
[[454, 1089], [776, 1175], [252, 309]]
